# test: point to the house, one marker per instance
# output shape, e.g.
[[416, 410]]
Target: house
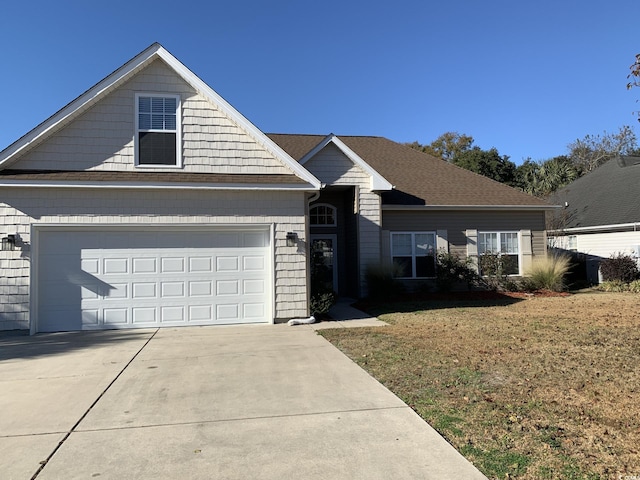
[[150, 201], [601, 214]]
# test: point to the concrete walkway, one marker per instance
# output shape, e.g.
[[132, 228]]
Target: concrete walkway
[[250, 402], [343, 315]]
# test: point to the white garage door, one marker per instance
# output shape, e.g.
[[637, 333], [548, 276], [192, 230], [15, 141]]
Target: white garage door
[[100, 279]]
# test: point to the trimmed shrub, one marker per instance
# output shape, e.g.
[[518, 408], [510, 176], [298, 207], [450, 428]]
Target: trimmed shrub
[[382, 282], [321, 302], [620, 267], [547, 273], [495, 269], [451, 269]]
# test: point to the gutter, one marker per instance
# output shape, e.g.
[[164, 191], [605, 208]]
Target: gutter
[[635, 226], [163, 186], [469, 207]]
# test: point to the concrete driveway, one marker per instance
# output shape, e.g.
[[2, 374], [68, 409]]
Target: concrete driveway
[[250, 402]]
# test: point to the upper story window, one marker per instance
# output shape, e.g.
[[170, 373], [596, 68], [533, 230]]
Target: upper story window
[[414, 253], [158, 130], [500, 249], [322, 215]]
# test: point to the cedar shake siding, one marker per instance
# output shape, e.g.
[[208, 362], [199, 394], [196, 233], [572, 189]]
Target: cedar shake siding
[[102, 138], [21, 208]]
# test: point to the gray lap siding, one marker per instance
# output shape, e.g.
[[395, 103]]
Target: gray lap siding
[[457, 222]]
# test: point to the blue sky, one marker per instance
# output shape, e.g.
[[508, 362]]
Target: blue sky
[[525, 77]]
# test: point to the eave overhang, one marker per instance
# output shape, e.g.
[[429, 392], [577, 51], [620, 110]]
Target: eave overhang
[[470, 207]]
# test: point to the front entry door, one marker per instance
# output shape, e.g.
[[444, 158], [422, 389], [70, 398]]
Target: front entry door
[[324, 263]]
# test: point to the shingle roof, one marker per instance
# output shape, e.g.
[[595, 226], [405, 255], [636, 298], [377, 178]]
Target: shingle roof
[[146, 177], [610, 195], [418, 178]]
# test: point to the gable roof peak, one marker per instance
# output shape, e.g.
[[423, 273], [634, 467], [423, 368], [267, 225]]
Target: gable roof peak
[[155, 51]]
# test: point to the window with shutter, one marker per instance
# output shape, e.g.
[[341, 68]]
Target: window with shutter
[[501, 244], [414, 253]]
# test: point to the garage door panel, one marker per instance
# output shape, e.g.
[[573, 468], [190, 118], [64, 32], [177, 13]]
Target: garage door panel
[[253, 287], [144, 265], [201, 313], [253, 310], [172, 265], [144, 315], [144, 290], [172, 315], [122, 279], [253, 263], [116, 291], [116, 316], [200, 288], [172, 289], [115, 266], [90, 265], [200, 264], [227, 264]]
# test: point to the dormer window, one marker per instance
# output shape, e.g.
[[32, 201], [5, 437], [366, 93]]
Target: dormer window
[[158, 130]]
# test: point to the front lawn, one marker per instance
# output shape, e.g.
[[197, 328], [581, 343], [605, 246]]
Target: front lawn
[[536, 388]]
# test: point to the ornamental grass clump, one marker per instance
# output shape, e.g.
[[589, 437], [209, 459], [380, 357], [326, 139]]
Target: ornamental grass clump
[[548, 272]]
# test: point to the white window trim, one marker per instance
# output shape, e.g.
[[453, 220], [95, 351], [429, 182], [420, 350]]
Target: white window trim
[[413, 253], [498, 233], [178, 131], [335, 219]]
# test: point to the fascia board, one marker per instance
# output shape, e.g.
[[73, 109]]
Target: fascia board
[[378, 182], [160, 185], [418, 208], [631, 227]]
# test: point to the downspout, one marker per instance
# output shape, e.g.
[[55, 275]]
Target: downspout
[[307, 234]]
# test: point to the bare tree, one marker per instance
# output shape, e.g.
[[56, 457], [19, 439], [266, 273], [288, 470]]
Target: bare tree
[[590, 152]]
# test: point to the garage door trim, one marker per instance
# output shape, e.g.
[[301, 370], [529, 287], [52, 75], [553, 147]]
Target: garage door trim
[[37, 231]]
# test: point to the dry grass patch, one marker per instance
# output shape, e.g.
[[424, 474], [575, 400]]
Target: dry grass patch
[[540, 388]]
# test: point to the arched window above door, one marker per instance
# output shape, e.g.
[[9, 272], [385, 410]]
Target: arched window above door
[[322, 215]]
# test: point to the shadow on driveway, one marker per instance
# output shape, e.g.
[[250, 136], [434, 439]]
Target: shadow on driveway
[[18, 344]]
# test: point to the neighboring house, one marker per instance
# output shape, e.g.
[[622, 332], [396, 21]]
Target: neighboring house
[[601, 214], [150, 201]]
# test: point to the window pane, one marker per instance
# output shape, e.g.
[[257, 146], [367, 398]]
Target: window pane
[[426, 266], [425, 244], [487, 243], [170, 122], [157, 122], [509, 264], [144, 121], [144, 104], [401, 244], [157, 148], [404, 266], [157, 105], [170, 105], [509, 242]]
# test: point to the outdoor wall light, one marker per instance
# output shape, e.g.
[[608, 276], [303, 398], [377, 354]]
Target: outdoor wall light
[[292, 239], [9, 242]]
